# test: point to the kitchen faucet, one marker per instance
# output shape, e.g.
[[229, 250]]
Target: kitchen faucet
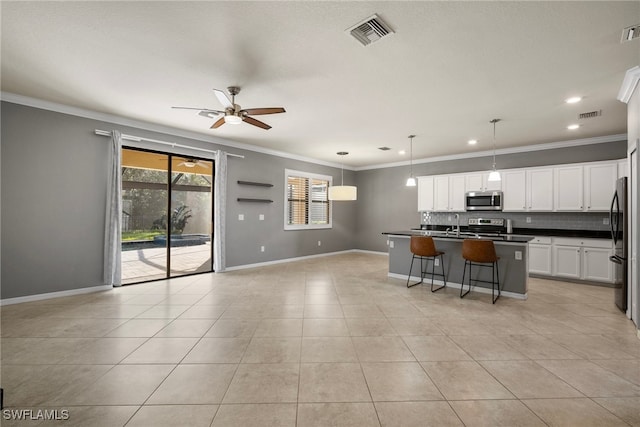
[[457, 225]]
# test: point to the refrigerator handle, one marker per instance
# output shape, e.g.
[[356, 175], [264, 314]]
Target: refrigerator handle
[[611, 218]]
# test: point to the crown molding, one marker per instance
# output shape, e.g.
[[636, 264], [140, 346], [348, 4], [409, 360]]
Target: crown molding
[[123, 121], [629, 84], [502, 151], [631, 79]]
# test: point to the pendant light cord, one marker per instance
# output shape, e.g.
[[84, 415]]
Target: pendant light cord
[[494, 121], [411, 155]]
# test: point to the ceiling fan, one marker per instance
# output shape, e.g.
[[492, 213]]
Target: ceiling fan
[[233, 113], [192, 163]]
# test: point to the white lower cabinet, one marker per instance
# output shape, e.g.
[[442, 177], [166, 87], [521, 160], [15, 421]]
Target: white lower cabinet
[[566, 261], [584, 259], [596, 265], [540, 256]]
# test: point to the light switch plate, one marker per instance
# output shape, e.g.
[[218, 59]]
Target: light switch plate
[[519, 255], [240, 217], [261, 217]]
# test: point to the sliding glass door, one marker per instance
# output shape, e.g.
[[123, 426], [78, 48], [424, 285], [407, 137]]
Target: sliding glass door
[[191, 215], [167, 215]]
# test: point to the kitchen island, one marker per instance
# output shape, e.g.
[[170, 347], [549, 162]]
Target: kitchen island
[[512, 250]]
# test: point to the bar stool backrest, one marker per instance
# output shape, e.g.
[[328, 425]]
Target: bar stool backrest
[[423, 246], [478, 250]]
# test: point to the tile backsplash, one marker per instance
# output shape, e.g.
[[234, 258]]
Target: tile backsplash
[[559, 220]]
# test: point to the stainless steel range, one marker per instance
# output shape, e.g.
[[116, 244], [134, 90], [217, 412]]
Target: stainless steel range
[[488, 226]]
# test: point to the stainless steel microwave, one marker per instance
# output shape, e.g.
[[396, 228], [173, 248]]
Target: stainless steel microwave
[[483, 201]]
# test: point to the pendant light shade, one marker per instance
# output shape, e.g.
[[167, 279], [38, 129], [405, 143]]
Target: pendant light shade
[[411, 181], [494, 175], [343, 192]]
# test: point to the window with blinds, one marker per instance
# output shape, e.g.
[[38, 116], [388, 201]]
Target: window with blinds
[[307, 201]]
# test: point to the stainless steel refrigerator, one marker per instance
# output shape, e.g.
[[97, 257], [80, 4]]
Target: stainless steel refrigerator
[[617, 220]]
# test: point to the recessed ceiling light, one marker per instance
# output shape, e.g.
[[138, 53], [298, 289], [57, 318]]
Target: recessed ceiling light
[[402, 152], [573, 127], [573, 99], [472, 141]]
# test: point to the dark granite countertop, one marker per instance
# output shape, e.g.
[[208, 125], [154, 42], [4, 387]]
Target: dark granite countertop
[[438, 234], [549, 232]]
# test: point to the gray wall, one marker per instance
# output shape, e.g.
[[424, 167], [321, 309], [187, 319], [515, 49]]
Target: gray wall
[[53, 170], [387, 204], [53, 182]]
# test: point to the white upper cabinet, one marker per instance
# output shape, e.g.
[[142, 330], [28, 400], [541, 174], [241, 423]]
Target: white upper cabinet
[[580, 187], [599, 185], [479, 181], [622, 168], [441, 193], [568, 188], [540, 189], [456, 193], [425, 193], [448, 193], [514, 186], [474, 182]]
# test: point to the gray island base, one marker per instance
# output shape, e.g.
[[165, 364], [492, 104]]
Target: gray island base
[[513, 264]]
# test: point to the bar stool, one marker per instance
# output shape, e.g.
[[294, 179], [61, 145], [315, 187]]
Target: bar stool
[[424, 248], [481, 253]]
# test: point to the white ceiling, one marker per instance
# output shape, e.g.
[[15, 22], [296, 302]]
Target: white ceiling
[[449, 68]]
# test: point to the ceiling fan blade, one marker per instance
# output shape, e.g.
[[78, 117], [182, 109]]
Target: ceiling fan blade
[[255, 122], [223, 98], [261, 111], [194, 108], [217, 124]]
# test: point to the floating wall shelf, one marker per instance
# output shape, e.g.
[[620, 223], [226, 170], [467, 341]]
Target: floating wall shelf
[[257, 184], [241, 199]]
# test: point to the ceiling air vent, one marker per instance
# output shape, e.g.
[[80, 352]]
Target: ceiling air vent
[[384, 148], [370, 30], [590, 114], [630, 33]]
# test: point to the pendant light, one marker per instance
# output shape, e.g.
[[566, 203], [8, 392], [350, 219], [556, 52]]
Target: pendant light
[[343, 192], [411, 181], [494, 175]]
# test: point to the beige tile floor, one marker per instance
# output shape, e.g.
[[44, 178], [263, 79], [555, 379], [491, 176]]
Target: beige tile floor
[[323, 342]]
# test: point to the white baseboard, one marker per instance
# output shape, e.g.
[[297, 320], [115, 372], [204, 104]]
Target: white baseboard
[[458, 286], [49, 295], [301, 258]]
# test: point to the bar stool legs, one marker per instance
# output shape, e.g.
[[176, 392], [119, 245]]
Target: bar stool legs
[[423, 271], [495, 279], [481, 253]]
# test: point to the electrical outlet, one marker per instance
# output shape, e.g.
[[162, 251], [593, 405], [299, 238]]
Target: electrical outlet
[[528, 220], [261, 217], [449, 218], [436, 261], [391, 244], [387, 242], [319, 243], [261, 248], [519, 255], [240, 217], [605, 221]]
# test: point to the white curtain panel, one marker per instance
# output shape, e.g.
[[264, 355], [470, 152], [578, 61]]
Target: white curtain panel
[[113, 217], [219, 209]]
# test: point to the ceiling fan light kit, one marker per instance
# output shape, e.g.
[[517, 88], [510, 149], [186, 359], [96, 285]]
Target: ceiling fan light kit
[[233, 113], [343, 192]]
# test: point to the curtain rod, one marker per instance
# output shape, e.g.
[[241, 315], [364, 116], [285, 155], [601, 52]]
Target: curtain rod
[[157, 141]]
